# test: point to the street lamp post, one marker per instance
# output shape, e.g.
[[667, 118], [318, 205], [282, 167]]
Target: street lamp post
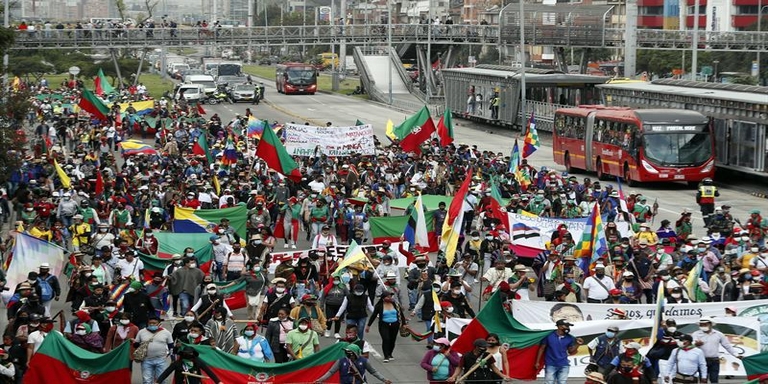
[[714, 76], [389, 49], [695, 55], [522, 60], [760, 8], [6, 24]]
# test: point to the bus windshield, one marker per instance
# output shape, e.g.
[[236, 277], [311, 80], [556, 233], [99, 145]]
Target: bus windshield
[[301, 76], [678, 148]]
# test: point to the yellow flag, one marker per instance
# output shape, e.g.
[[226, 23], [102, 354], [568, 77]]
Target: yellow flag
[[66, 182], [437, 326], [216, 185], [354, 254], [390, 131]]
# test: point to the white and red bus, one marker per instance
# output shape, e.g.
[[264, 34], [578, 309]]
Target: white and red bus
[[638, 145], [296, 78]]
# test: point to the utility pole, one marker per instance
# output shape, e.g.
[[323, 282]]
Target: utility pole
[[695, 55]]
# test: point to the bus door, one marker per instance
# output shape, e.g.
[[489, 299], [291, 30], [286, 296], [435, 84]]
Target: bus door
[[588, 131]]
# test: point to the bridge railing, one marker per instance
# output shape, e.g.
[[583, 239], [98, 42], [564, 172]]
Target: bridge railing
[[552, 35]]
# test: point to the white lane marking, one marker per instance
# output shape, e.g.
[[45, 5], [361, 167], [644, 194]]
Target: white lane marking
[[375, 353]]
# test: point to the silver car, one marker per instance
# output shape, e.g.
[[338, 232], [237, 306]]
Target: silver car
[[244, 92]]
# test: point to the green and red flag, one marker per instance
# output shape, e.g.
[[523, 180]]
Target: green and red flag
[[756, 366], [272, 151], [445, 128], [232, 369], [524, 343], [170, 243], [200, 148], [234, 295], [103, 84], [60, 361], [93, 105], [415, 130]]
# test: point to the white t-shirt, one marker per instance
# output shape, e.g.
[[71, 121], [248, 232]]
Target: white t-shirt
[[596, 291], [36, 338], [128, 269]]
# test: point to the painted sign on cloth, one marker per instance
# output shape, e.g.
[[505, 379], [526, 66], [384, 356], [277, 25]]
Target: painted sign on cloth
[[307, 140], [743, 333], [533, 231], [544, 311], [334, 253]]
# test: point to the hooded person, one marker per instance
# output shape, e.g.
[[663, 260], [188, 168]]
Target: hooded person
[[352, 368], [85, 338], [209, 303], [188, 361]]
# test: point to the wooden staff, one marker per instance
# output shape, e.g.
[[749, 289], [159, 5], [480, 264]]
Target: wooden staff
[[190, 374], [208, 309], [471, 370], [62, 322]]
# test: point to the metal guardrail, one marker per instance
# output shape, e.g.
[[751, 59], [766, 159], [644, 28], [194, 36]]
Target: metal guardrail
[[544, 114], [550, 35]]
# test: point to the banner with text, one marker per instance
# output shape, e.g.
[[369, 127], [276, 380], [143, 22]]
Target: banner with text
[[528, 312], [307, 140], [332, 253], [534, 231], [743, 333]]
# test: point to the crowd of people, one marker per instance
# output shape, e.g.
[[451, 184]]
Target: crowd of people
[[116, 203]]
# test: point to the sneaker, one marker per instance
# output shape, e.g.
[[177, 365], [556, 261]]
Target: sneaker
[[336, 335], [285, 246], [429, 346], [386, 360], [327, 333], [293, 246], [392, 358]]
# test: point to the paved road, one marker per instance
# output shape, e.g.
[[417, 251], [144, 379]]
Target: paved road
[[343, 110]]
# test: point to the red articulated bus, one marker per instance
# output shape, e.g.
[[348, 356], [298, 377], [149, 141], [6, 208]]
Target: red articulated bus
[[292, 78], [638, 145]]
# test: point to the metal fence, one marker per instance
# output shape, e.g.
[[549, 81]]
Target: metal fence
[[558, 35]]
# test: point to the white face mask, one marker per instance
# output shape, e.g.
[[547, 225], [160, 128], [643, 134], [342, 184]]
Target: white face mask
[[110, 309], [88, 274], [475, 238], [211, 291], [676, 295], [303, 327], [194, 335], [190, 254], [192, 265], [457, 291], [680, 343], [754, 249], [671, 329], [80, 332], [705, 329], [125, 321], [280, 289], [449, 309], [189, 319]]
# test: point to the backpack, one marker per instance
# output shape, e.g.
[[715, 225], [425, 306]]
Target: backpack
[[46, 290]]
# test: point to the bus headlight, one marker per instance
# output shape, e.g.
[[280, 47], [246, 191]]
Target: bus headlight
[[708, 168], [648, 167]]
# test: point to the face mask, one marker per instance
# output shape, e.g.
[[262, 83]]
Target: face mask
[[436, 289], [257, 242], [567, 331], [680, 344], [130, 290], [192, 265], [436, 348], [475, 238], [569, 281], [449, 309], [457, 291], [358, 293], [211, 291], [610, 335], [336, 282], [748, 277], [704, 329], [152, 328], [125, 321], [702, 249], [194, 335], [745, 238], [189, 319], [676, 295], [754, 249], [671, 329], [110, 309], [190, 254], [626, 369], [249, 333], [280, 289], [102, 230], [87, 274], [489, 237], [80, 332], [303, 327], [150, 234], [600, 275], [666, 278], [34, 325]]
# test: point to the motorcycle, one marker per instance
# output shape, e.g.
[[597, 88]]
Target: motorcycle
[[219, 97]]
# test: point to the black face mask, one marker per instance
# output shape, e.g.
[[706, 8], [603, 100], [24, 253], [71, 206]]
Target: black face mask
[[625, 369]]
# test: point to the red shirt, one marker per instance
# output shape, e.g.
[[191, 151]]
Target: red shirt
[[194, 203], [44, 209]]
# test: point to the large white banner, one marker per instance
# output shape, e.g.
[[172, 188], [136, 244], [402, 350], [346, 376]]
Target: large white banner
[[307, 140], [534, 231], [743, 333], [529, 312], [334, 253]]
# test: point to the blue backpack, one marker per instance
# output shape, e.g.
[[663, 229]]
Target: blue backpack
[[46, 290]]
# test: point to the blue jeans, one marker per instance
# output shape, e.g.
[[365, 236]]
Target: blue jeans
[[413, 298], [151, 369], [431, 338], [360, 326], [185, 302], [713, 370], [219, 274], [556, 375]]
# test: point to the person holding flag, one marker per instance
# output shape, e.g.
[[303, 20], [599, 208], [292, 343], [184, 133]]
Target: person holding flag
[[352, 368]]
